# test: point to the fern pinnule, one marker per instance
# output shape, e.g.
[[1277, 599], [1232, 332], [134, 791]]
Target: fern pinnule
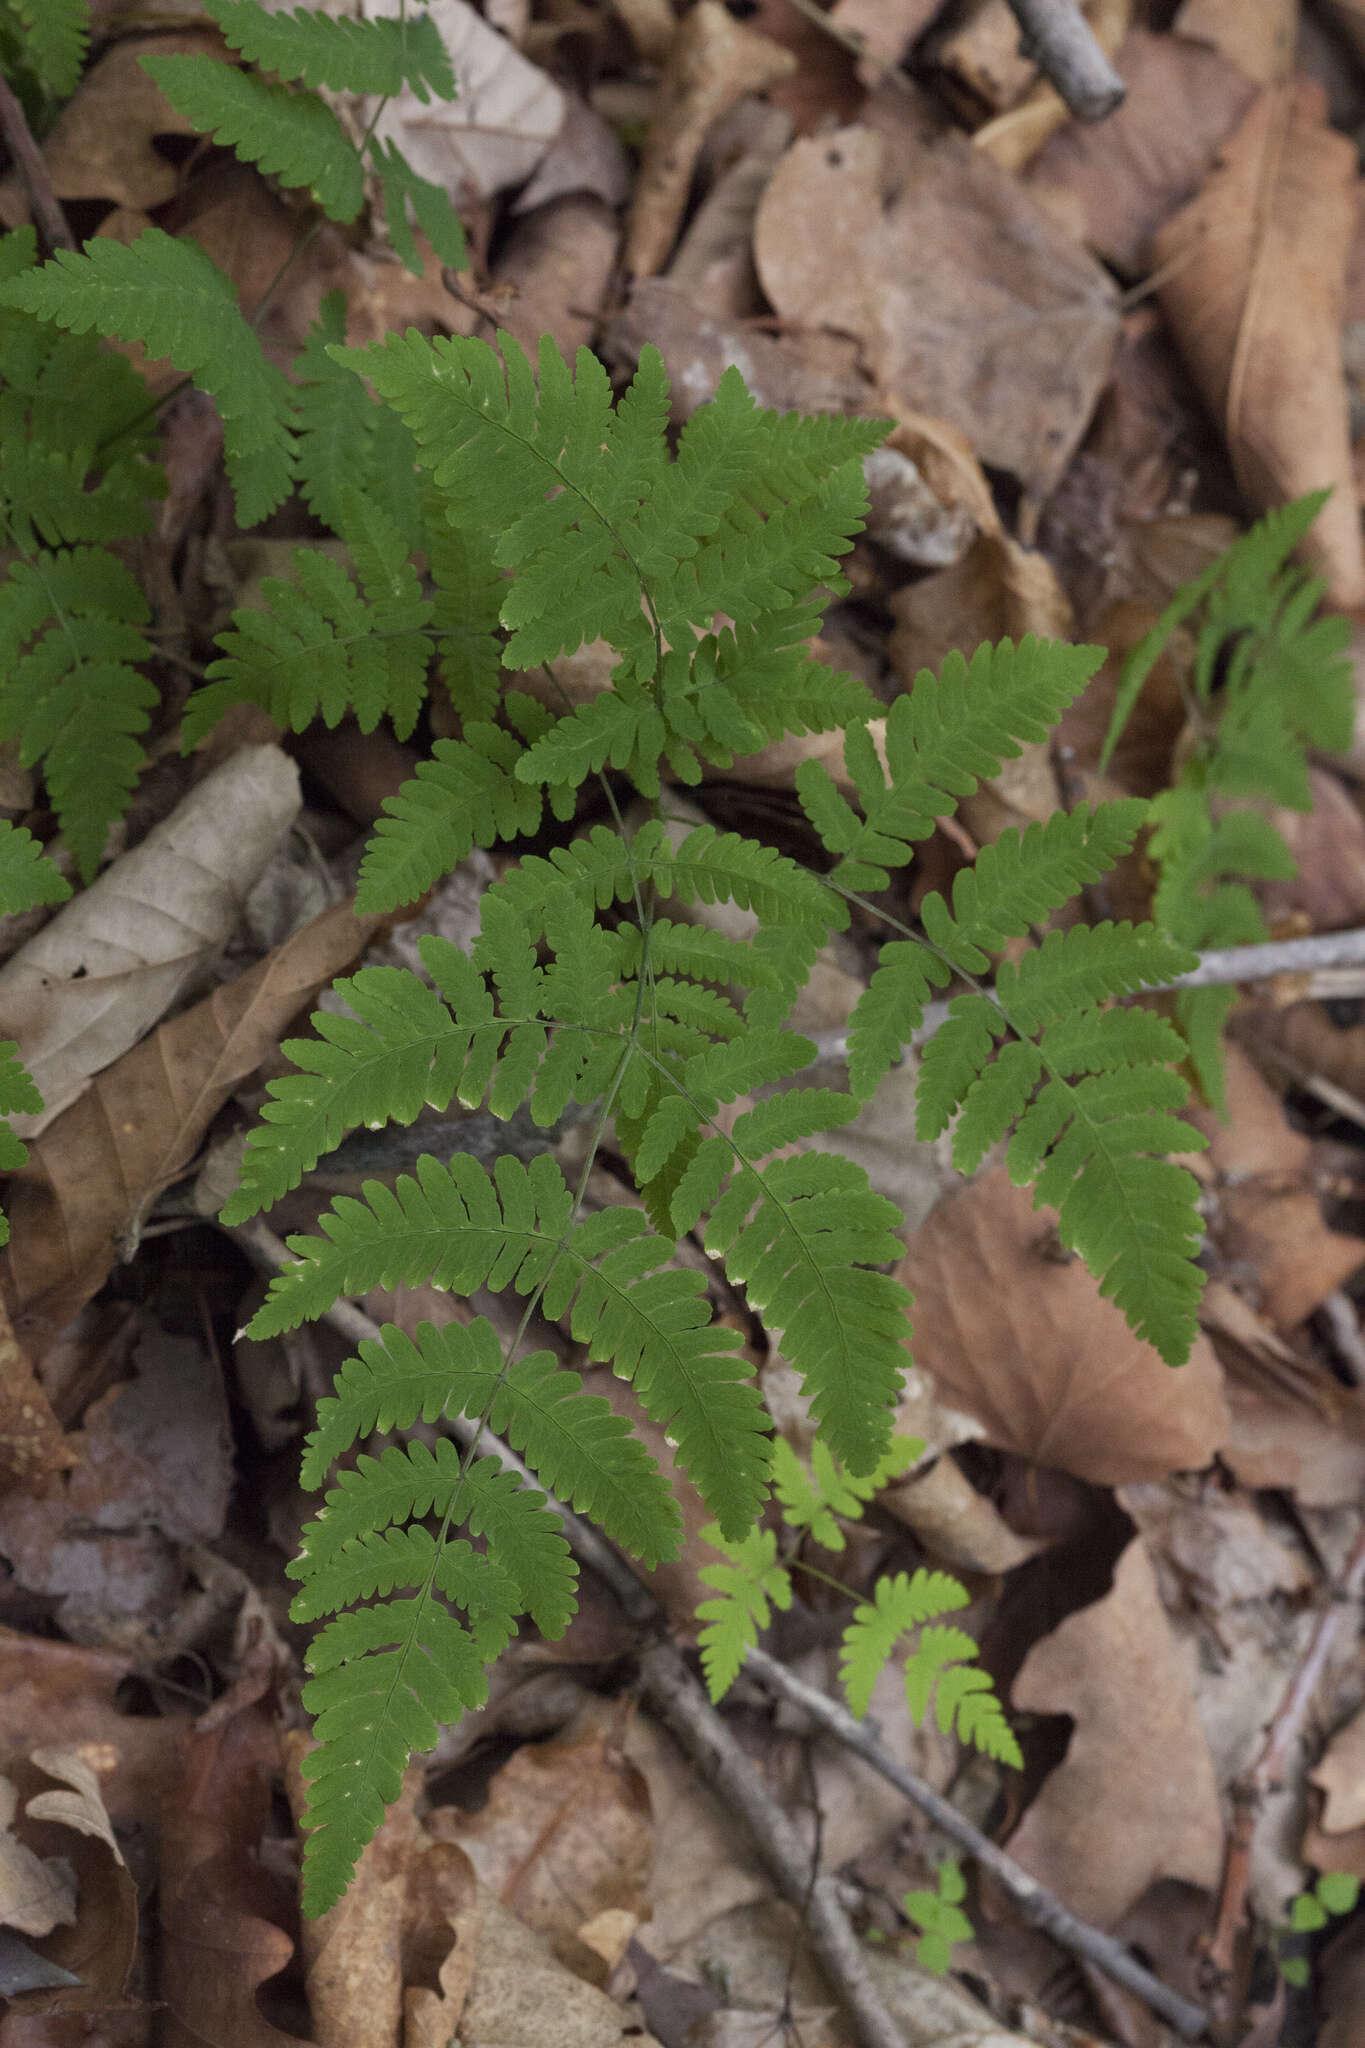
[[966, 1698], [380, 57], [943, 736], [749, 1584], [899, 1604]]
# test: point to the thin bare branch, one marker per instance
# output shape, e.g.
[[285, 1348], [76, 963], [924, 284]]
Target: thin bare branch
[[43, 203], [1060, 41]]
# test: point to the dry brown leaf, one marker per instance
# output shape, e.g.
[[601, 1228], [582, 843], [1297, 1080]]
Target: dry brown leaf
[[1031, 1348], [1269, 1220], [968, 300], [95, 979], [697, 350], [1256, 35], [91, 1178], [558, 262], [36, 1893], [713, 62], [1341, 1775], [1128, 173], [566, 1836], [221, 1912], [1135, 1797], [353, 1953], [33, 1449], [885, 31], [97, 1942], [72, 1694], [1252, 278]]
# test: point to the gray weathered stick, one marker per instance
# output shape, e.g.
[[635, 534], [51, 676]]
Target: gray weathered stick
[[1060, 41]]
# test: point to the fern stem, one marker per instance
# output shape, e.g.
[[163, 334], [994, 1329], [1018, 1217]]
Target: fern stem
[[1037, 1905]]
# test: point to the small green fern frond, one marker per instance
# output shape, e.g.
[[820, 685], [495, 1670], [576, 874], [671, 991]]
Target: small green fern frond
[[167, 294], [898, 1605], [1089, 964], [460, 1228], [48, 39], [381, 57], [378, 1561], [70, 633], [573, 1442], [290, 135], [966, 1695], [344, 442], [466, 619], [944, 736], [320, 647], [1022, 877], [890, 1011], [813, 1498], [750, 1584]]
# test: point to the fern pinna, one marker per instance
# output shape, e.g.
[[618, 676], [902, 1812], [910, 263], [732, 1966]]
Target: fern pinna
[[562, 515]]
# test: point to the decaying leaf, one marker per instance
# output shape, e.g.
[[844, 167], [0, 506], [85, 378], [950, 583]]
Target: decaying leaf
[[1047, 1365], [101, 973], [1135, 1797], [969, 301], [91, 1178], [1252, 275]]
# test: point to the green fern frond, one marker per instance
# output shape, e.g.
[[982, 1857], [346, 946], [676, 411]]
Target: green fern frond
[[898, 1605], [290, 135], [469, 592], [944, 736], [458, 1228], [70, 633], [813, 1498], [381, 57], [966, 1696], [169, 295], [750, 1584], [344, 442], [574, 1443], [48, 39]]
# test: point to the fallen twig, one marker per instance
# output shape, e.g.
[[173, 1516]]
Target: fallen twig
[[1060, 41], [1266, 1771], [43, 203], [1321, 959], [699, 1729], [1036, 1903]]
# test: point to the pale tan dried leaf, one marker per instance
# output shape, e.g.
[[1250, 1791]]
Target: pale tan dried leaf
[[1049, 1368], [1341, 1775], [713, 62], [1135, 1798], [566, 1835], [1131, 171], [82, 1806], [1252, 278], [95, 979], [91, 1178], [1256, 35], [36, 1894], [969, 301]]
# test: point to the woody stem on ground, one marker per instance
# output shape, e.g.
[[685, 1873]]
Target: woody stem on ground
[[1061, 42], [43, 202], [683, 1707], [1250, 1790]]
